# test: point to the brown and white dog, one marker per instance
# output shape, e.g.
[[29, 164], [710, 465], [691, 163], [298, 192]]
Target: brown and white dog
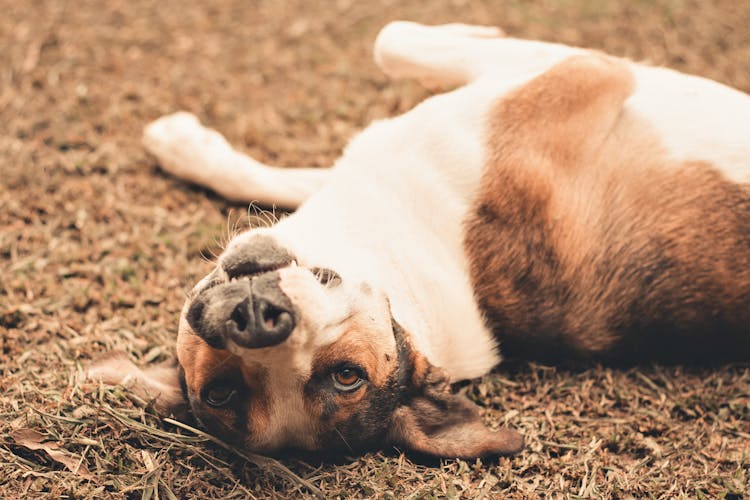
[[559, 203]]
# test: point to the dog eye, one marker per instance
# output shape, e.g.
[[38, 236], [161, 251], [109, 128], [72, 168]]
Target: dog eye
[[326, 276], [347, 379], [218, 395]]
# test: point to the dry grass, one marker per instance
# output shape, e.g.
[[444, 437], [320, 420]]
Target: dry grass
[[97, 247]]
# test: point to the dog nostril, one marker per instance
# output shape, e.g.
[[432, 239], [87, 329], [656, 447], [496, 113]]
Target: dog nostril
[[270, 317], [240, 315], [273, 317]]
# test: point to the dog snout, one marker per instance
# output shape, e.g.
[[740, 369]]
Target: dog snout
[[252, 313]]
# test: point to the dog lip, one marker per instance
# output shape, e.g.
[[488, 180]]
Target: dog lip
[[215, 279], [257, 255], [218, 279], [255, 271]]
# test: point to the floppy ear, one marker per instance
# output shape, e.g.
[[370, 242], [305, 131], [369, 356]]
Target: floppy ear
[[438, 423], [161, 383]]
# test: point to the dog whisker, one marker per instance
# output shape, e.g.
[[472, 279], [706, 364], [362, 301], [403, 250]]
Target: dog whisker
[[343, 439]]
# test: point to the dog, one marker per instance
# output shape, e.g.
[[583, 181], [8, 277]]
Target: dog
[[558, 204]]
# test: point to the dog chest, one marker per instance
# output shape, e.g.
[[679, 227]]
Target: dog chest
[[605, 250]]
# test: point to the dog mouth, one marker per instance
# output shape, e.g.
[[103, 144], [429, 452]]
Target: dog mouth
[[219, 276]]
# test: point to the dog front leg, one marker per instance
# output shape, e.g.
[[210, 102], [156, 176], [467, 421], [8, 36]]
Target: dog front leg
[[192, 152]]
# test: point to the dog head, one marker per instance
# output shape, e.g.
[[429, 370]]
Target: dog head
[[277, 354]]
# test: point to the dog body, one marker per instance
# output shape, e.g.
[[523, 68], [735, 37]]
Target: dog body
[[558, 202]]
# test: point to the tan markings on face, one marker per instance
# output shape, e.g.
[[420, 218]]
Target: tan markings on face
[[371, 349], [420, 365], [203, 364], [585, 236], [563, 115], [290, 383]]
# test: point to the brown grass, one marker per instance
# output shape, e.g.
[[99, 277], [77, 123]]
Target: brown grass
[[97, 247]]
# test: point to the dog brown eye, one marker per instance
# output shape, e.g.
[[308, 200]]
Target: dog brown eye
[[219, 395], [347, 379]]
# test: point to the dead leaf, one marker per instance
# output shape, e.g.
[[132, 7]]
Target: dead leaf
[[33, 440]]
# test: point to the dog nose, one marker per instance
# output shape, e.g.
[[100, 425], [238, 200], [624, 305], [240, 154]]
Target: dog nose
[[252, 313]]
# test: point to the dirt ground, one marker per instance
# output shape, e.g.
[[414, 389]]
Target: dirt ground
[[97, 246]]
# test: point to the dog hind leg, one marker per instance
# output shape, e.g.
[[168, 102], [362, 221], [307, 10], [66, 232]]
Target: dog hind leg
[[434, 55], [192, 152], [456, 54]]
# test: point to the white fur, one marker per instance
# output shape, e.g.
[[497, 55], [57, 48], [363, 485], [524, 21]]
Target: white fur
[[200, 155], [390, 213]]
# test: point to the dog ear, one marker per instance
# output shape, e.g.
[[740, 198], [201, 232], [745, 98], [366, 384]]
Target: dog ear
[[439, 423], [162, 383]]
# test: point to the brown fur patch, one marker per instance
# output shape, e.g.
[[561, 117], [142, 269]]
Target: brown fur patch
[[437, 432], [439, 423], [421, 367], [586, 240], [563, 115], [203, 364], [361, 347]]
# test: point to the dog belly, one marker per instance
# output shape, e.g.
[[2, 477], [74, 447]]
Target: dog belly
[[653, 278], [642, 261], [695, 119]]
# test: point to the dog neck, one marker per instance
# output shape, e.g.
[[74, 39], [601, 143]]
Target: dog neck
[[380, 234]]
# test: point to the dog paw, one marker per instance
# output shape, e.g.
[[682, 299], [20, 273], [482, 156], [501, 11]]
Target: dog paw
[[158, 383], [170, 128], [184, 147]]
